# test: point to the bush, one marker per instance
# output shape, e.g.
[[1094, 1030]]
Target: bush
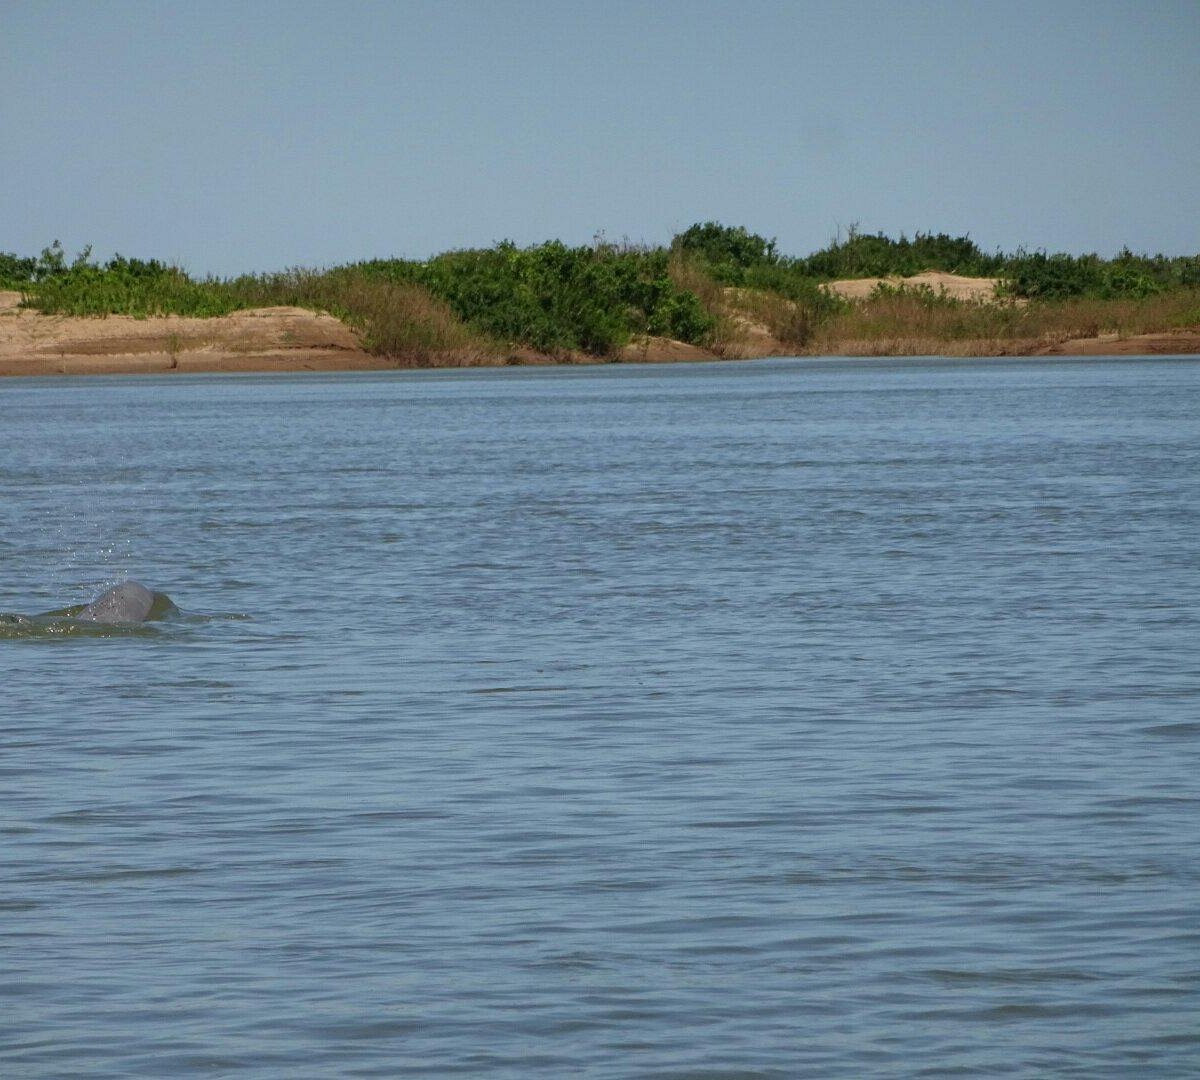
[[725, 246], [551, 297], [15, 272], [861, 255], [124, 287], [1039, 276], [710, 285], [557, 298]]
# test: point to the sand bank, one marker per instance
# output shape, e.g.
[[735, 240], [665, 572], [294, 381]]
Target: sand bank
[[294, 339], [953, 285], [265, 339]]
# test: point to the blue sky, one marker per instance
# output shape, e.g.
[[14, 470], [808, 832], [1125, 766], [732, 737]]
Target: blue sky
[[248, 136]]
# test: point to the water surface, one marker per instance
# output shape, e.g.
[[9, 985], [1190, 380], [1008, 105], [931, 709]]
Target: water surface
[[779, 719]]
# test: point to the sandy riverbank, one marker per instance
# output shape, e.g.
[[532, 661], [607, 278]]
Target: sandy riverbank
[[262, 339], [953, 285], [294, 339], [266, 339]]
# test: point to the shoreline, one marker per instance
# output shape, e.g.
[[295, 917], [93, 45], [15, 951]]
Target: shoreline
[[282, 339]]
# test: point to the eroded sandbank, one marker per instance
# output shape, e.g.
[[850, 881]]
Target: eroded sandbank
[[294, 339]]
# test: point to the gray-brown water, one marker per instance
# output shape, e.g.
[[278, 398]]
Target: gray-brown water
[[781, 719]]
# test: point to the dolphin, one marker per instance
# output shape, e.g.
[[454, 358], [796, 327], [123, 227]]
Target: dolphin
[[129, 602]]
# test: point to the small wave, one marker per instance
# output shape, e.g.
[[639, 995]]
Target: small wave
[[82, 621], [1183, 730], [199, 618], [48, 627]]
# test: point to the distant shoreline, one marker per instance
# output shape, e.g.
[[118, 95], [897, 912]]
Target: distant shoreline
[[291, 340], [716, 293], [157, 363], [296, 340]]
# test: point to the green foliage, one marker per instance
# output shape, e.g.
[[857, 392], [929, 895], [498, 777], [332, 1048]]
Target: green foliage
[[862, 255], [558, 298], [726, 246], [15, 271], [122, 287], [1039, 276], [918, 295], [736, 257], [739, 259], [785, 280]]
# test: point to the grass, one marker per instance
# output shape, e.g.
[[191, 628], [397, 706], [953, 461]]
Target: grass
[[788, 307], [1044, 299], [393, 319], [727, 336], [723, 288], [560, 299], [396, 319], [907, 322], [551, 298], [737, 257], [92, 290]]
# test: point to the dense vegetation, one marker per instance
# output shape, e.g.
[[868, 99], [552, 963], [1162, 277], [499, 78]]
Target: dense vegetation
[[553, 297], [595, 299], [739, 256], [1058, 277]]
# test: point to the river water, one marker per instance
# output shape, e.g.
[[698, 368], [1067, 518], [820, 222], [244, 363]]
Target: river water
[[763, 720]]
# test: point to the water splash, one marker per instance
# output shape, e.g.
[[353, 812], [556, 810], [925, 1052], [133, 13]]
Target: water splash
[[80, 620], [50, 627]]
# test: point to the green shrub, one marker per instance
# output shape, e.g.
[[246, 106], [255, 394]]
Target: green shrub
[[862, 255], [724, 245], [557, 298], [15, 271], [125, 287], [1039, 276], [702, 290]]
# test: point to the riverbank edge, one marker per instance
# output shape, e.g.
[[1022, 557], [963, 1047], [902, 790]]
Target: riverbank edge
[[321, 360], [161, 348]]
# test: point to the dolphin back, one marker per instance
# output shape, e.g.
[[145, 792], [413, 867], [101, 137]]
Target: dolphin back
[[129, 602]]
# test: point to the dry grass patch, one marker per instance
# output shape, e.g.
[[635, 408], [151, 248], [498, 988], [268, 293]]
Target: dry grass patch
[[789, 322], [749, 322], [398, 320], [731, 336], [905, 322], [409, 323]]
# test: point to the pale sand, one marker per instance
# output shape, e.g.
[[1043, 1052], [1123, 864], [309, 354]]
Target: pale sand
[[263, 339], [952, 285]]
